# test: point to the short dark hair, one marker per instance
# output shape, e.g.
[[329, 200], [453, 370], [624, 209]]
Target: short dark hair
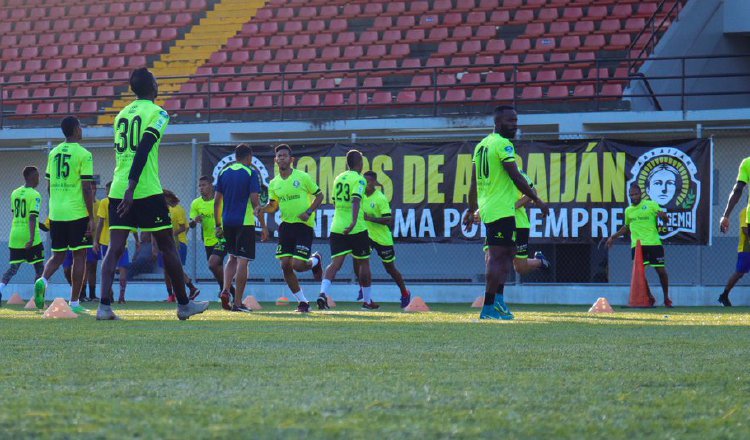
[[142, 82], [372, 174], [502, 108], [206, 178], [29, 170], [241, 151], [69, 125], [281, 147], [634, 185], [171, 195], [353, 158]]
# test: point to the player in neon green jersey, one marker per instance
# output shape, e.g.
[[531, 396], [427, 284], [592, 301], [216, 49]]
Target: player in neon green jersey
[[297, 196], [25, 241], [70, 174], [743, 259], [641, 221], [136, 199], [494, 189], [743, 177], [349, 231]]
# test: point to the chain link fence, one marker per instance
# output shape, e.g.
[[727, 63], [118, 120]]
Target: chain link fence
[[425, 263]]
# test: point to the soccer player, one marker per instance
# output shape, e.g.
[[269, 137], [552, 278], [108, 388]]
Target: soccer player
[[25, 241], [743, 177], [180, 226], [92, 257], [202, 212], [743, 260], [349, 231], [378, 218], [298, 197], [136, 199], [641, 221], [101, 244], [70, 174], [494, 189], [237, 203]]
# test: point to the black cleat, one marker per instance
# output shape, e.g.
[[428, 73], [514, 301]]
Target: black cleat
[[322, 302], [724, 300], [545, 262], [303, 307]]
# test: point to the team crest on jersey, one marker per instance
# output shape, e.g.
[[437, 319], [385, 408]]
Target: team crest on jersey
[[667, 176], [296, 184]]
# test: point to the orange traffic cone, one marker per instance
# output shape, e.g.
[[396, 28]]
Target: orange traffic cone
[[417, 304], [15, 299], [252, 303], [601, 306], [59, 309], [478, 303], [640, 295], [331, 302], [31, 305], [282, 301]]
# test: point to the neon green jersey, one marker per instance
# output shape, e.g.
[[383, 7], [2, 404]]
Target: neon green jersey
[[376, 205], [496, 192], [522, 218], [743, 245], [743, 175], [24, 202], [68, 166], [347, 186], [140, 117], [642, 221], [294, 195], [205, 209]]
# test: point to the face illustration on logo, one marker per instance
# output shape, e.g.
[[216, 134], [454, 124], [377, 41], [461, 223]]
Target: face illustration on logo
[[661, 184]]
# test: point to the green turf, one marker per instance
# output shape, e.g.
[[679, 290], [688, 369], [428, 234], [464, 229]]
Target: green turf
[[555, 372]]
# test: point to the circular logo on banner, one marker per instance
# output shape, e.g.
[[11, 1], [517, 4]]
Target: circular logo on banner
[[667, 176]]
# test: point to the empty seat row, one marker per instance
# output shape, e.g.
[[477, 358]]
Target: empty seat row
[[96, 24], [96, 9], [101, 37], [48, 52], [75, 64]]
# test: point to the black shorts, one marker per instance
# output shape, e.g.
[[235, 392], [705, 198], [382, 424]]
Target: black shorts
[[501, 232], [522, 242], [219, 249], [356, 244], [240, 241], [652, 255], [32, 256], [295, 240], [70, 235], [387, 254], [149, 215]]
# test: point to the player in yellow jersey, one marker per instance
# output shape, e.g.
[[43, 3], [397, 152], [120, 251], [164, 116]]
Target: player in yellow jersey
[[349, 231], [743, 177], [494, 189], [136, 199], [297, 196], [743, 260], [70, 174], [642, 224], [25, 241], [180, 226]]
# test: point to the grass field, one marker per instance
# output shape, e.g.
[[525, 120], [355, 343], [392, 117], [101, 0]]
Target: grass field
[[555, 372]]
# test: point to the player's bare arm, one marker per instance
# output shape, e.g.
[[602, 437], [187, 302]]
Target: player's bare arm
[[356, 204], [623, 230], [98, 234], [32, 231], [469, 215], [218, 202], [515, 174], [313, 207], [734, 197], [524, 201], [271, 207], [89, 188], [258, 210], [139, 162], [388, 220]]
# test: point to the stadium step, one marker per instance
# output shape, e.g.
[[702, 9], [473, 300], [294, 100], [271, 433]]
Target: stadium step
[[188, 54]]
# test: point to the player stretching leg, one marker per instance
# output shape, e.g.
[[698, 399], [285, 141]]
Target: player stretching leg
[[494, 189], [743, 177], [349, 231], [743, 260], [136, 199], [25, 241], [297, 196], [237, 192], [641, 222], [70, 170]]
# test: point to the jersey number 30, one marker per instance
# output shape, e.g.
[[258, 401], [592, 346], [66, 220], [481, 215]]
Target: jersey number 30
[[128, 134]]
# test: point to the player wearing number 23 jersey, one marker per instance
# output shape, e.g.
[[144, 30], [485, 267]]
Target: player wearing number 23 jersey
[[346, 187]]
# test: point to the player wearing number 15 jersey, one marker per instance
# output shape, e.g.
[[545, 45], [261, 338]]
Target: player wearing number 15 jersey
[[136, 199]]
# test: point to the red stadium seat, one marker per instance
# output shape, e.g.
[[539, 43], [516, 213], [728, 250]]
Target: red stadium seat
[[481, 94], [583, 91], [333, 99], [455, 95], [557, 92], [406, 97], [382, 98], [531, 93]]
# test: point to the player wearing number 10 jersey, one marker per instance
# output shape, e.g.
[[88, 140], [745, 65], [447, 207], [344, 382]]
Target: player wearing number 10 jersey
[[136, 199]]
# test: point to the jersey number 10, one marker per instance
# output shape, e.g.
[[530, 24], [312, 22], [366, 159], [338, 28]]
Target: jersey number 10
[[483, 163], [128, 134]]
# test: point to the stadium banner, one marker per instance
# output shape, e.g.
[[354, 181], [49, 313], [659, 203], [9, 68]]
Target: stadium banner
[[584, 181]]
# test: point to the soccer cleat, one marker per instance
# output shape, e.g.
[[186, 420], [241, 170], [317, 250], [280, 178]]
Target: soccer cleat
[[405, 299], [489, 312], [105, 313], [668, 303], [241, 308], [94, 299], [317, 270], [545, 262], [194, 292], [724, 300], [79, 309], [360, 295], [303, 307], [651, 300], [224, 296], [84, 299], [184, 311], [370, 306], [502, 308], [40, 290], [322, 302]]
